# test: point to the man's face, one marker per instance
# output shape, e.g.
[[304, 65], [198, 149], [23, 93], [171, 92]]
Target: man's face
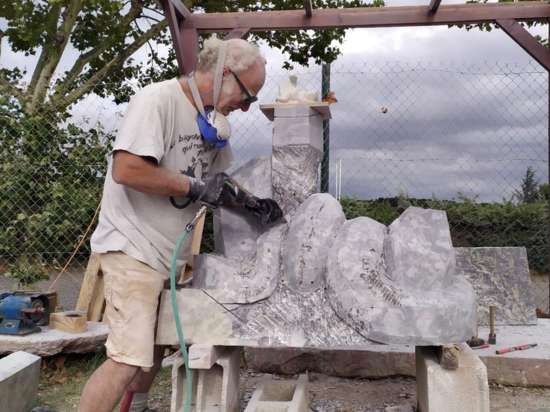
[[233, 95]]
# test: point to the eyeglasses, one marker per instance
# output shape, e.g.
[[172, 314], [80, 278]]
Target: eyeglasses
[[249, 99]]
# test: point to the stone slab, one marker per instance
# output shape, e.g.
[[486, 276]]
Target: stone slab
[[376, 361], [459, 390], [19, 377], [321, 107], [500, 277], [50, 342], [521, 368]]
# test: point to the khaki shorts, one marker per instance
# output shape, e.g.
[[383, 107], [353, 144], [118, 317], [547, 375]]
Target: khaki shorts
[[132, 292]]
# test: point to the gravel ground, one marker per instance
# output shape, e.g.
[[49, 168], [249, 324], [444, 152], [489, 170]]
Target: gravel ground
[[63, 377]]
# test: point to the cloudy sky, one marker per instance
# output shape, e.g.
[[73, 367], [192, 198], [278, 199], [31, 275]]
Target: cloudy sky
[[423, 111]]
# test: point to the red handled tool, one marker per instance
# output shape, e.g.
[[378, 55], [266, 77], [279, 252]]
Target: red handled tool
[[515, 348]]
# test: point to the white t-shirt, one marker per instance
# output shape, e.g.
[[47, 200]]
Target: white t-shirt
[[160, 122]]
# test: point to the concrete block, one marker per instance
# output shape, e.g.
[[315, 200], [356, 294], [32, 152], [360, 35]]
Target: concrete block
[[215, 389], [463, 389], [19, 376], [280, 396], [202, 356]]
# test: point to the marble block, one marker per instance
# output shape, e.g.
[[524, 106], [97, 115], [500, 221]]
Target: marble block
[[500, 277], [295, 175], [419, 252], [235, 233], [230, 280], [357, 295], [311, 231], [370, 279]]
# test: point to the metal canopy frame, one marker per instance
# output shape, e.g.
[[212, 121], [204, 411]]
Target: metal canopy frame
[[185, 26]]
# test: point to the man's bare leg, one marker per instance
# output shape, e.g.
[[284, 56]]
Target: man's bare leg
[[106, 386], [143, 380]]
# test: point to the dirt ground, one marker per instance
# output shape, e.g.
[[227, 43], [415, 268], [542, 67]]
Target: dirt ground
[[63, 377]]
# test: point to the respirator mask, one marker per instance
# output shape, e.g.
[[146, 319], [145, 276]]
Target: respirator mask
[[213, 126]]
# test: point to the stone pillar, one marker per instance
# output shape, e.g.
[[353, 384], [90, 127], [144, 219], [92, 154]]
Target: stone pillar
[[297, 152], [463, 389]]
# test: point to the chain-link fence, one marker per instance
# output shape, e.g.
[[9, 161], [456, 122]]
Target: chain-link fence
[[470, 139]]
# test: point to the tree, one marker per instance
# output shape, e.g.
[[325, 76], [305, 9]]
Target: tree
[[543, 191], [106, 33], [491, 26], [52, 170], [529, 191]]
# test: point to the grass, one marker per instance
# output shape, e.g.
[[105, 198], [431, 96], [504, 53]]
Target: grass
[[63, 377]]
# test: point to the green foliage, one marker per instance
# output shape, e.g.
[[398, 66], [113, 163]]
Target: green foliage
[[491, 26], [106, 33], [50, 185], [529, 192], [474, 224]]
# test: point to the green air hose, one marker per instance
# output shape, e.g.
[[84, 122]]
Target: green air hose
[[175, 309]]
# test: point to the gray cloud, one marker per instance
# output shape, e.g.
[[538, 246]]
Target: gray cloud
[[467, 112]]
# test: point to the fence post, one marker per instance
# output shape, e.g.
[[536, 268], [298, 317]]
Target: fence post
[[325, 163]]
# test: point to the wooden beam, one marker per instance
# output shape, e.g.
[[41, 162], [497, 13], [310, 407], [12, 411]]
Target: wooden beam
[[309, 8], [434, 5], [368, 17], [174, 24], [189, 43], [237, 34], [527, 42], [181, 9], [89, 283]]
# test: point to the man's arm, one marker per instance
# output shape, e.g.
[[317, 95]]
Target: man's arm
[[146, 176]]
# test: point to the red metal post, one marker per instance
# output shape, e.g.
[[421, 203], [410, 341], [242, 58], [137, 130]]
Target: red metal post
[[527, 42], [189, 41]]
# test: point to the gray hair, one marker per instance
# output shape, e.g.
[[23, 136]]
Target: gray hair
[[240, 55]]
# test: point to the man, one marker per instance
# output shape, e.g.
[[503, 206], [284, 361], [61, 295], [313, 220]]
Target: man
[[160, 159]]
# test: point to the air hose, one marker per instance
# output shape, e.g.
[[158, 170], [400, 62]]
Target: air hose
[[189, 381]]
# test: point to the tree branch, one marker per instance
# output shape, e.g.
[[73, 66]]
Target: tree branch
[[80, 63], [52, 17], [62, 102], [61, 39]]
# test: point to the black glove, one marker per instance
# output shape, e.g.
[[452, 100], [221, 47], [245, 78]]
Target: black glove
[[266, 210], [210, 190]]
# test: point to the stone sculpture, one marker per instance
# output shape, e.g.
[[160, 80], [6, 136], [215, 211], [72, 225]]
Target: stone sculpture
[[319, 280], [289, 92]]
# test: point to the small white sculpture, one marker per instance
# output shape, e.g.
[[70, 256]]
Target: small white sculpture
[[290, 93]]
